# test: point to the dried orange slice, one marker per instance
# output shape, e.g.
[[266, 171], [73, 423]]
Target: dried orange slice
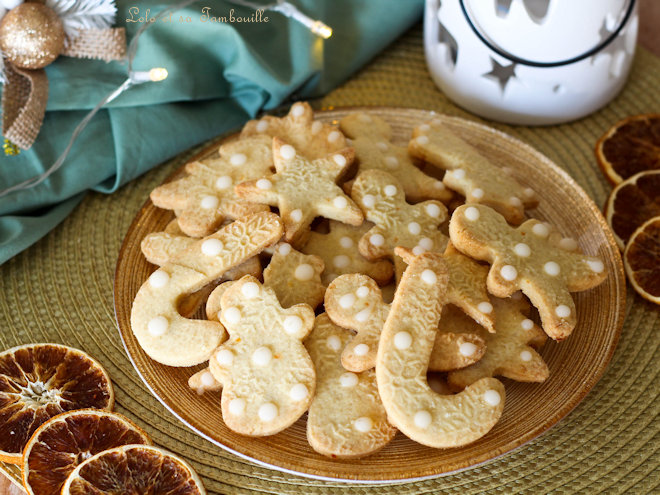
[[642, 260], [630, 146], [133, 470], [632, 203], [39, 381], [63, 442]]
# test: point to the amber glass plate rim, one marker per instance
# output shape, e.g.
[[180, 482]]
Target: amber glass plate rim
[[323, 470]]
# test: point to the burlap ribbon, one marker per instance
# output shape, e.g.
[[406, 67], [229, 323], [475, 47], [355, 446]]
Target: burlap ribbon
[[25, 94]]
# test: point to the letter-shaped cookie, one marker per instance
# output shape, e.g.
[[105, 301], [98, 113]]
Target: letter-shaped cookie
[[527, 258], [346, 418], [406, 342], [165, 335], [371, 137], [469, 172], [267, 375]]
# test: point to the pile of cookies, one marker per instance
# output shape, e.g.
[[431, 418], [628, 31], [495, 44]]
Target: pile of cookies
[[336, 282]]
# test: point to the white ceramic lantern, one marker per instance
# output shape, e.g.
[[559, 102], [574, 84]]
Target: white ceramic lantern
[[530, 62]]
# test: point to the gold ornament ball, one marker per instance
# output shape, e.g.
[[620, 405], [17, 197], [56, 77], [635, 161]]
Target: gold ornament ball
[[31, 36]]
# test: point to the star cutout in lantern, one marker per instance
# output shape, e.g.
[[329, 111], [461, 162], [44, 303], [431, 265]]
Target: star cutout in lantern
[[502, 74]]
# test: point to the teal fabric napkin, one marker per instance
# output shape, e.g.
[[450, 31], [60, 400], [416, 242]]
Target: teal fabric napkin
[[220, 75]]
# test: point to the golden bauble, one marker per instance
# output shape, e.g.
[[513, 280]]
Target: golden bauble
[[31, 36]]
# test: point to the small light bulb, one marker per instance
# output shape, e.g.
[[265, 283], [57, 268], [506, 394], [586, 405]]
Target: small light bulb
[[158, 74], [323, 30]]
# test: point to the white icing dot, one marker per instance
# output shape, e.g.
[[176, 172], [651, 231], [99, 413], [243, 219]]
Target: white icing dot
[[363, 424], [522, 250], [492, 397], [471, 213], [529, 192], [304, 272], [414, 228], [363, 315], [316, 127], [429, 277], [346, 301], [362, 291], [297, 110], [563, 311], [467, 349], [477, 193], [368, 200], [209, 202], [509, 272], [292, 324], [224, 357], [402, 340], [237, 407], [596, 266], [422, 419], [339, 160], [391, 162], [207, 379], [341, 261], [438, 185], [212, 247], [296, 215], [485, 307], [231, 315], [417, 250], [422, 140], [333, 343], [334, 136], [568, 244], [382, 146], [340, 202], [551, 268], [223, 182], [459, 173], [238, 159], [264, 184], [298, 392], [158, 326], [541, 230], [361, 349], [390, 190], [346, 242], [515, 201], [158, 279], [348, 380], [287, 152], [262, 125], [284, 248], [526, 356], [250, 290], [527, 324], [377, 240], [433, 210], [267, 412]]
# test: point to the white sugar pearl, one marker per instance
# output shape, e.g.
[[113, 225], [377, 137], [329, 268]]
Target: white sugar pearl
[[363, 315], [297, 110], [209, 202], [267, 412], [529, 193], [284, 248], [224, 357], [231, 315], [492, 397], [391, 162], [347, 300], [467, 349], [459, 173], [527, 324], [390, 190], [340, 202], [596, 266], [362, 292], [526, 356], [341, 261], [438, 185], [292, 324], [339, 160], [471, 213], [514, 201], [433, 210], [346, 242], [509, 272], [262, 126], [223, 182], [402, 340], [382, 146], [522, 250], [264, 184], [417, 250], [316, 127], [414, 228], [363, 424], [250, 290], [158, 326], [422, 419], [238, 159], [551, 268], [541, 230], [422, 140], [287, 152], [333, 343], [159, 279], [304, 272], [485, 307], [212, 247], [563, 311], [377, 240], [568, 243], [334, 136], [207, 379], [298, 392], [296, 215], [348, 380], [361, 349], [429, 277], [368, 200], [237, 407], [477, 193]]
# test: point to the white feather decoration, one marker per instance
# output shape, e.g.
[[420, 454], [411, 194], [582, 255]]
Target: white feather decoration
[[84, 14]]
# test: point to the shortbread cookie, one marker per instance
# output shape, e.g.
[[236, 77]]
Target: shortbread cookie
[[440, 421], [304, 189], [346, 418], [165, 335], [397, 223], [267, 375], [338, 249], [471, 173], [525, 258], [510, 350], [312, 139], [205, 197], [459, 342], [203, 381], [370, 136]]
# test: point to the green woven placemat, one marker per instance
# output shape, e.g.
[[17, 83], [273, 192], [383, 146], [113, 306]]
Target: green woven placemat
[[60, 290]]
